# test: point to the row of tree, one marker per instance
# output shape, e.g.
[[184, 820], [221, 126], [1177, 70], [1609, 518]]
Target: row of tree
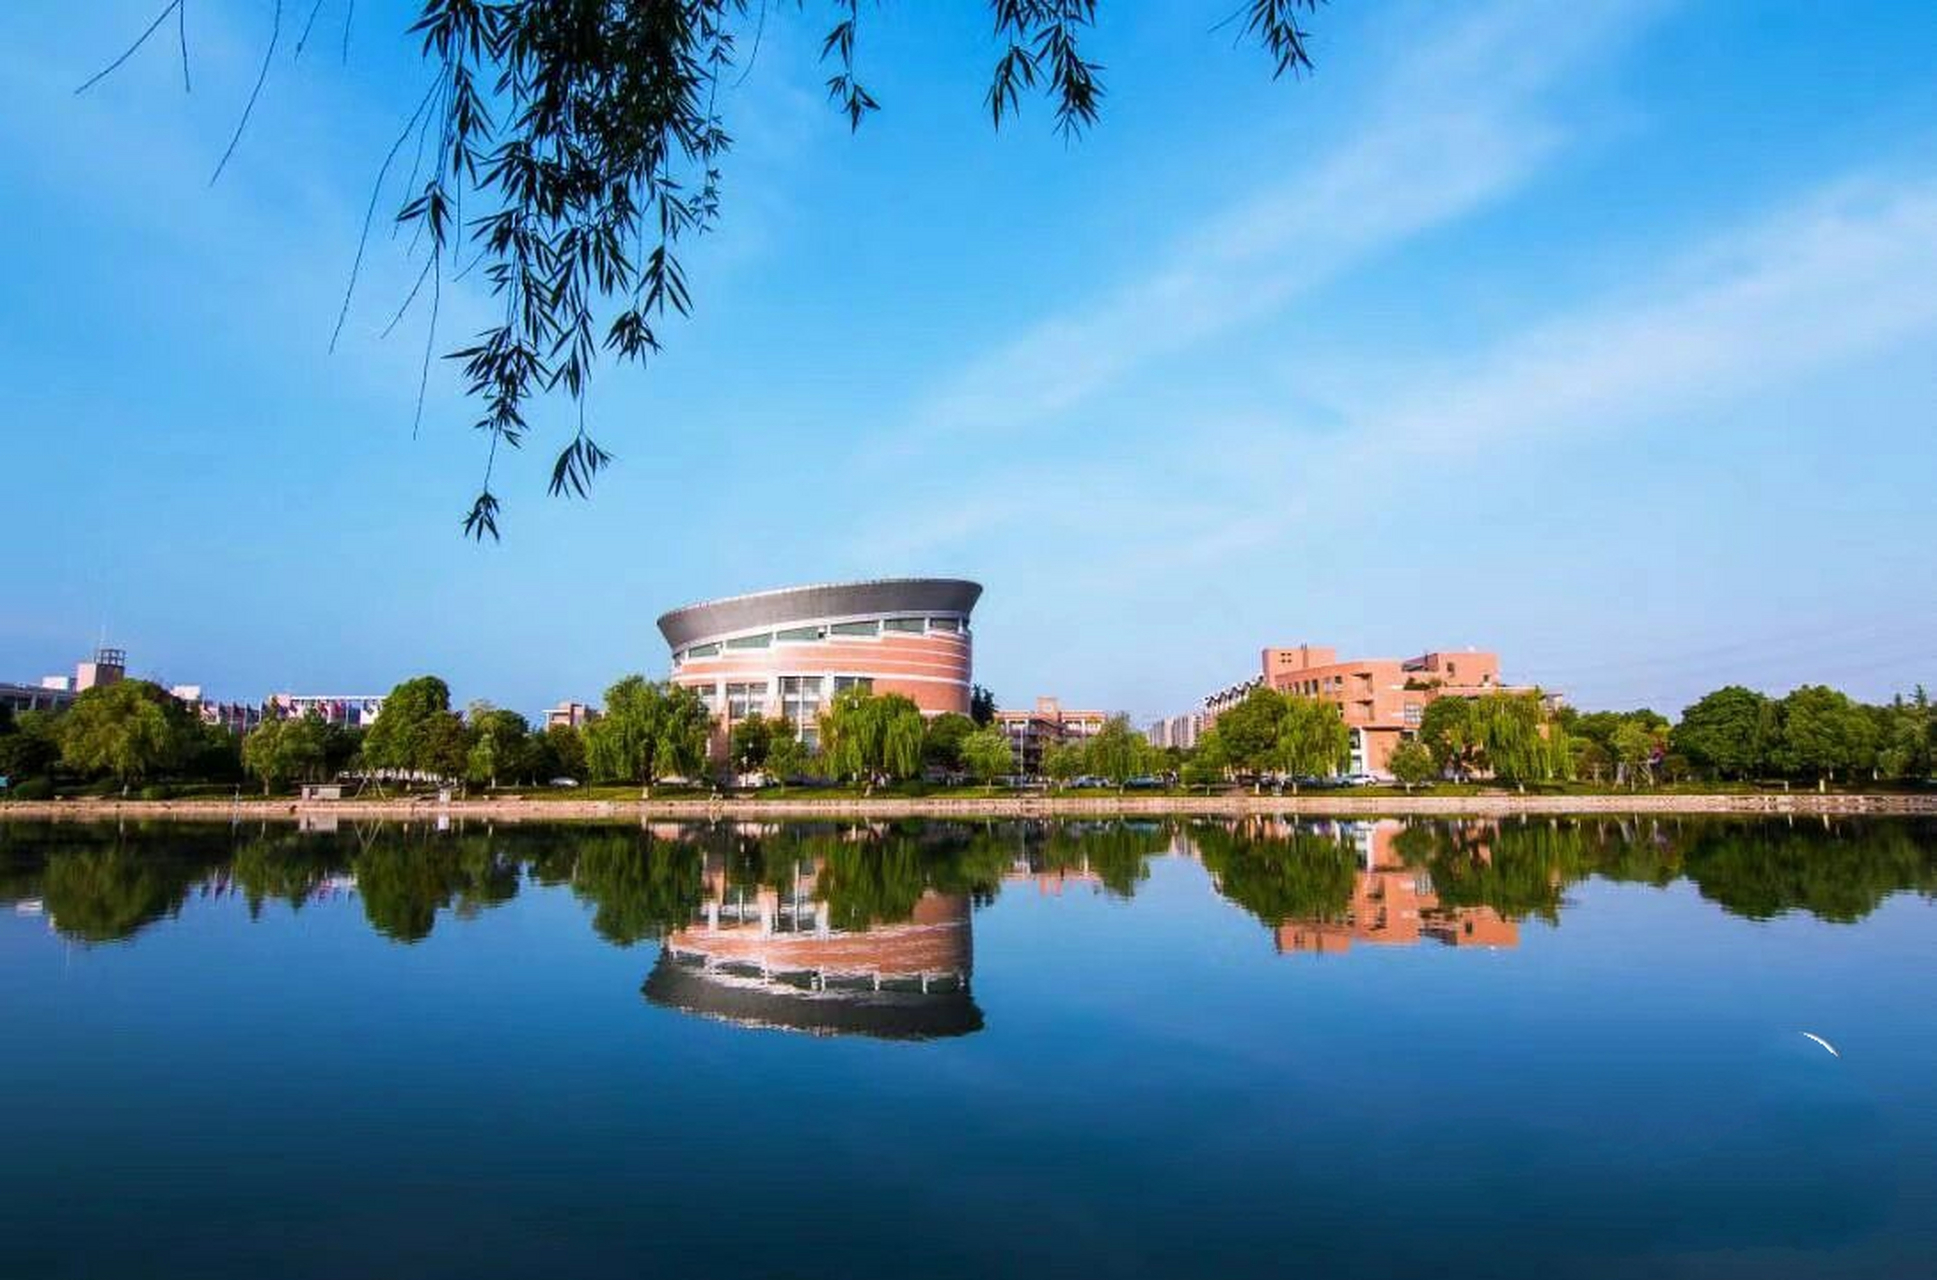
[[134, 731], [104, 882]]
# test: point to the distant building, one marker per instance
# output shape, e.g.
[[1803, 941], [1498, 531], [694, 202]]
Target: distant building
[[56, 693], [1180, 732], [1032, 732], [1383, 700], [36, 697], [352, 710], [788, 652], [570, 715]]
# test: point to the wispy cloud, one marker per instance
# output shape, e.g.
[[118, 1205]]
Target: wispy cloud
[[1838, 273], [1459, 121]]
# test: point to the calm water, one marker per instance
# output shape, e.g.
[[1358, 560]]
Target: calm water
[[1332, 1049]]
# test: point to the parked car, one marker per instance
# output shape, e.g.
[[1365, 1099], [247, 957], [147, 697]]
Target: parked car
[[563, 782]]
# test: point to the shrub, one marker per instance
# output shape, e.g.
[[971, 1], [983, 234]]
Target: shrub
[[32, 789]]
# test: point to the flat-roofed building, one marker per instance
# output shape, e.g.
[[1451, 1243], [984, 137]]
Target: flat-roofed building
[[786, 653], [1034, 730], [1383, 700], [570, 715]]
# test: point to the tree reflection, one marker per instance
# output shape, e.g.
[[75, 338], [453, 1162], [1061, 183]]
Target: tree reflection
[[1278, 872], [1377, 881]]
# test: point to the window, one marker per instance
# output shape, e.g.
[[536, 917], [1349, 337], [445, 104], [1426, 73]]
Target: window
[[1415, 712], [792, 634], [800, 702], [706, 695], [704, 651], [760, 641], [742, 700], [913, 626], [855, 629], [944, 624], [864, 683]]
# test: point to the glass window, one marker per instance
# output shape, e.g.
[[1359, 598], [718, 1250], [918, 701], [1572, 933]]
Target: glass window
[[760, 641], [704, 651], [798, 633], [706, 694], [944, 624], [854, 682], [742, 700], [914, 626], [800, 702], [855, 629]]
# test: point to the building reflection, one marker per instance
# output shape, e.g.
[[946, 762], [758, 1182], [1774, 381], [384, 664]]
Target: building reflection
[[1385, 899], [766, 956]]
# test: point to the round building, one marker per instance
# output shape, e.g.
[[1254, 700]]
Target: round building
[[788, 652]]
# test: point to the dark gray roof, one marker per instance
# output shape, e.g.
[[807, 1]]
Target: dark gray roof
[[881, 1015], [682, 627]]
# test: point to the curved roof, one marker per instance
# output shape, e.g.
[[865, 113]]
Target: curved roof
[[882, 1015], [694, 622]]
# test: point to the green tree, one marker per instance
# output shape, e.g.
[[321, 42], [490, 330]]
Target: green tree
[[986, 754], [1823, 734], [1250, 731], [1412, 764], [1118, 752], [748, 743], [280, 751], [565, 744], [1448, 729], [1207, 763], [981, 705], [1312, 738], [1724, 732], [417, 733], [1635, 750], [787, 756], [1063, 761], [502, 745], [131, 729], [872, 737], [649, 731], [941, 746], [1907, 738], [32, 746]]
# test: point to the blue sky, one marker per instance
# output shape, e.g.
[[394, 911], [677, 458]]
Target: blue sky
[[1599, 332]]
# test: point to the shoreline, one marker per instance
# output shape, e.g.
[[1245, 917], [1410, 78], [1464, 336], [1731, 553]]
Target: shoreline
[[505, 809]]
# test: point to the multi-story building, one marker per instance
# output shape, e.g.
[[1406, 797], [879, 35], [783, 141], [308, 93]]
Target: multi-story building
[[1176, 731], [786, 653], [1383, 700], [1032, 732], [570, 715], [354, 710]]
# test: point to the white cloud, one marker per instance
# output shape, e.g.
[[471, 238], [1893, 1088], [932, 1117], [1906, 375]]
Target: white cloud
[[1460, 121]]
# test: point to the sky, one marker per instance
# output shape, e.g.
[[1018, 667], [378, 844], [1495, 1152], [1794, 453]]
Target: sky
[[1600, 333]]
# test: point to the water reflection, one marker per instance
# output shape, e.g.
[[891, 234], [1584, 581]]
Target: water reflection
[[829, 909]]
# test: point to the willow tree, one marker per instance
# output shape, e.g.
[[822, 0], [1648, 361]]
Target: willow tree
[[565, 150], [872, 737], [1312, 739]]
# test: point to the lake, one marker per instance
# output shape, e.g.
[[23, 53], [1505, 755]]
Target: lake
[[1264, 1047]]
